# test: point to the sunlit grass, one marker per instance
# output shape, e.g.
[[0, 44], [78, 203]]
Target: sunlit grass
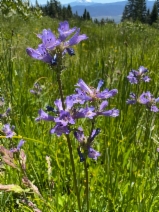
[[125, 177]]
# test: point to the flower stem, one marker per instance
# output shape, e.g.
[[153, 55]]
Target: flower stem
[[87, 183], [69, 145]]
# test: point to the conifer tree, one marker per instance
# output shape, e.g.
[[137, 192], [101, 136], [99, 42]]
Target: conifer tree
[[154, 14], [135, 10], [157, 2], [85, 14]]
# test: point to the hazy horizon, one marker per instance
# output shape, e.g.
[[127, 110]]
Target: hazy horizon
[[69, 1]]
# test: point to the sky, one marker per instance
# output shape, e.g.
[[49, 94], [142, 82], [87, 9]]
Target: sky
[[68, 1]]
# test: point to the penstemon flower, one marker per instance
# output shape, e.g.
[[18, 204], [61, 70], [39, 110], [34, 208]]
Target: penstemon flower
[[135, 77], [147, 99], [52, 49], [8, 131]]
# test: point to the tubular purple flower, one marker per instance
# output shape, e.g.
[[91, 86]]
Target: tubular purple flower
[[135, 77], [21, 143], [89, 94], [64, 30], [48, 39], [44, 116], [93, 153], [147, 99], [8, 131], [88, 112], [112, 113], [40, 54], [64, 118], [84, 87], [133, 99], [58, 104], [59, 129], [75, 39]]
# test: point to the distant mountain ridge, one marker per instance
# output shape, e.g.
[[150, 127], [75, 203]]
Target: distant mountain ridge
[[96, 10]]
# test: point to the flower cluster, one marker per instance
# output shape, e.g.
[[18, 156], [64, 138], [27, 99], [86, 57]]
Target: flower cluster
[[146, 98], [54, 48], [88, 103], [135, 77]]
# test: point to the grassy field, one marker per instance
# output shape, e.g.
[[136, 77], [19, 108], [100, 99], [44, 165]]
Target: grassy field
[[125, 176]]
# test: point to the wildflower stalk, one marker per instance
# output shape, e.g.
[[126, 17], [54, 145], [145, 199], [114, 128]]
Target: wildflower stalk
[[87, 183], [69, 144]]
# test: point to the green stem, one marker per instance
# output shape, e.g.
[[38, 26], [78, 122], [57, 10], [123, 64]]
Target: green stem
[[87, 183], [69, 145]]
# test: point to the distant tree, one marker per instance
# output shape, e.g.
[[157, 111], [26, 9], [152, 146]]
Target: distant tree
[[129, 11], [85, 14], [88, 17], [157, 2], [69, 11], [148, 16], [135, 10], [125, 15], [140, 11], [154, 14]]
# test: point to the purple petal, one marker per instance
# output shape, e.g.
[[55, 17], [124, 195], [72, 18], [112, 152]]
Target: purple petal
[[146, 79], [64, 118], [59, 129], [154, 108], [103, 105], [44, 116], [142, 70], [69, 102], [64, 30], [112, 113], [21, 143], [40, 54], [94, 134], [58, 104], [88, 112], [107, 94], [84, 86], [79, 135], [101, 82], [49, 40], [93, 154], [8, 131], [76, 39]]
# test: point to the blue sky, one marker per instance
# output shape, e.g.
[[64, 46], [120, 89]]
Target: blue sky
[[67, 1]]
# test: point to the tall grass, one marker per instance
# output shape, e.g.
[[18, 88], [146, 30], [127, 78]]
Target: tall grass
[[125, 176]]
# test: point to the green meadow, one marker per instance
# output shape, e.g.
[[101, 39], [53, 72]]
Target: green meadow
[[125, 178]]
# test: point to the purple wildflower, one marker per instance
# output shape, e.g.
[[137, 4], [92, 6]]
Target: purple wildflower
[[113, 112], [20, 144], [49, 39], [133, 99], [64, 30], [44, 116], [85, 143], [88, 112], [76, 38], [147, 99], [40, 53], [93, 153], [52, 48], [59, 129], [89, 94], [135, 77], [8, 131]]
